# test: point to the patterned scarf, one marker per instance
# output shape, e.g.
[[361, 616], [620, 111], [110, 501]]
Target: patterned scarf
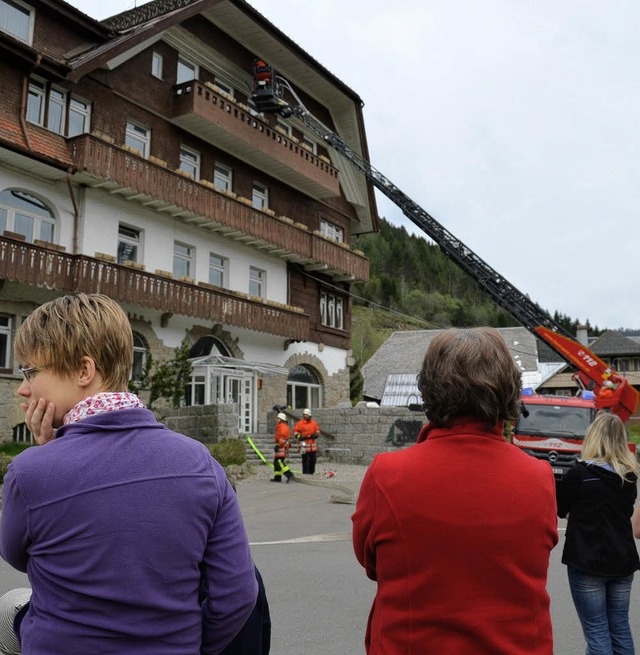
[[108, 401]]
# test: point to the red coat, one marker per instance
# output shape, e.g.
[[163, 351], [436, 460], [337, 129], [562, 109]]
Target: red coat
[[457, 532], [282, 439]]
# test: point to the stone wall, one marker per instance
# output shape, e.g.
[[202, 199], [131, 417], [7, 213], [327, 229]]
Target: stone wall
[[206, 423], [362, 432]]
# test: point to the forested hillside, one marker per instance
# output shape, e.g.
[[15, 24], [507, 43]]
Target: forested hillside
[[424, 289]]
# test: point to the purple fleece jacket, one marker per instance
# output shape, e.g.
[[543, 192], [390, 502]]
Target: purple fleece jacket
[[119, 523]]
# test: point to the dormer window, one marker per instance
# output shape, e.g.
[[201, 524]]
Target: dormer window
[[16, 19]]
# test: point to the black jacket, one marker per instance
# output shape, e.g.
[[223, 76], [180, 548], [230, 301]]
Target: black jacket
[[599, 539]]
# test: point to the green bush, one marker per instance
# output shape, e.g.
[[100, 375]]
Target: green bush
[[5, 460], [13, 448], [228, 452]]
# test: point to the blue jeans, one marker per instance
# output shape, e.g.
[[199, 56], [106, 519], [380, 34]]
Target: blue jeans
[[603, 609]]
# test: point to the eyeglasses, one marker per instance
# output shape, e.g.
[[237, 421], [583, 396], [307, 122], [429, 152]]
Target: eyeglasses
[[30, 373]]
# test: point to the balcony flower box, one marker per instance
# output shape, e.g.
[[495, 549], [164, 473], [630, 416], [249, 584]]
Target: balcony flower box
[[139, 266], [162, 273], [188, 280], [104, 257], [208, 184], [158, 161], [49, 245], [131, 149]]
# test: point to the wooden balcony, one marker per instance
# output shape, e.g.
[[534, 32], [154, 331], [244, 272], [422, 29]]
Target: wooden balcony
[[103, 165], [43, 267], [230, 126]]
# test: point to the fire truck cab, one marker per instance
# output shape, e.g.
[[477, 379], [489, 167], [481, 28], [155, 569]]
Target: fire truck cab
[[552, 428]]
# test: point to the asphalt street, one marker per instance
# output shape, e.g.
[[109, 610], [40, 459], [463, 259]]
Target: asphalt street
[[318, 594]]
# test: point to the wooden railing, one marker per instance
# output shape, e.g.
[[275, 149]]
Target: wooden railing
[[234, 118], [37, 266], [157, 186]]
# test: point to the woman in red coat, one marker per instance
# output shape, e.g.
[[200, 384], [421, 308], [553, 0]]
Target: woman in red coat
[[457, 529]]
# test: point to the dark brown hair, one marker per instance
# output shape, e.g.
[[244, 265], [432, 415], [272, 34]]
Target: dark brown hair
[[469, 373]]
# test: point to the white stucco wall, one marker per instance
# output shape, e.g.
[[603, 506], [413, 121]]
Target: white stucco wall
[[55, 194], [99, 233]]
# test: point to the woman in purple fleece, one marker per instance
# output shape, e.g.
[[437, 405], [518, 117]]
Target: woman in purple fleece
[[119, 522]]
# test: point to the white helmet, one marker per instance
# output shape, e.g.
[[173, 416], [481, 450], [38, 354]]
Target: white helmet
[[282, 416], [306, 412]]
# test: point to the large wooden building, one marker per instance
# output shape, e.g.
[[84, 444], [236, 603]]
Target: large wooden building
[[133, 164]]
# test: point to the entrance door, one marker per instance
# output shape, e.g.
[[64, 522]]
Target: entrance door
[[239, 389]]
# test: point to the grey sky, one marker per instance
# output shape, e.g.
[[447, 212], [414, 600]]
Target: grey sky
[[513, 122]]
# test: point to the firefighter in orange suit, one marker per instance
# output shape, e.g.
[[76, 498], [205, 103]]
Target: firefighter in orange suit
[[281, 449], [306, 431]]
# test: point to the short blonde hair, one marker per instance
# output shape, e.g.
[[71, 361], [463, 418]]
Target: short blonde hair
[[61, 332], [606, 442]]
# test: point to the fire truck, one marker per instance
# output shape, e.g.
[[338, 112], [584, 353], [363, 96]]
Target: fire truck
[[549, 427]]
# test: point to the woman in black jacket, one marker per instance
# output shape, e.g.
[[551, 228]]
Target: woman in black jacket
[[597, 495]]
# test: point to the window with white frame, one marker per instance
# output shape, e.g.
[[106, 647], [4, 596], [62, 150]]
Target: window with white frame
[[79, 117], [56, 110], [16, 18], [187, 71], [156, 65], [129, 244], [257, 282], [190, 162], [217, 270], [139, 357], [304, 388], [27, 215], [138, 137], [5, 341], [260, 195], [331, 231], [310, 145], [283, 126], [222, 177], [182, 260], [332, 311]]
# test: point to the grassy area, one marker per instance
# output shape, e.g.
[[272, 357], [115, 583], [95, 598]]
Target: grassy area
[[11, 448], [634, 433]]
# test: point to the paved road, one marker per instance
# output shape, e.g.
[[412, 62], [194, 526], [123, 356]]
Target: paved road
[[321, 609]]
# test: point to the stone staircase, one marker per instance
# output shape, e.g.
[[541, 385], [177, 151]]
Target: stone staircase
[[265, 444]]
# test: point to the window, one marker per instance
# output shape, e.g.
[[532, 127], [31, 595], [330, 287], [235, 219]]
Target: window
[[222, 178], [27, 215], [331, 231], [217, 270], [257, 279], [79, 115], [139, 357], [332, 311], [36, 102], [156, 65], [303, 388], [224, 88], [182, 260], [129, 244], [186, 71], [283, 126], [190, 162], [5, 342], [16, 19], [56, 110], [310, 145], [138, 137], [260, 196]]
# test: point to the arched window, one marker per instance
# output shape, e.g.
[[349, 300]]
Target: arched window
[[304, 388], [139, 357], [208, 345], [27, 215]]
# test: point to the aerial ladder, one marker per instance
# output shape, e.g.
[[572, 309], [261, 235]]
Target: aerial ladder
[[269, 91]]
